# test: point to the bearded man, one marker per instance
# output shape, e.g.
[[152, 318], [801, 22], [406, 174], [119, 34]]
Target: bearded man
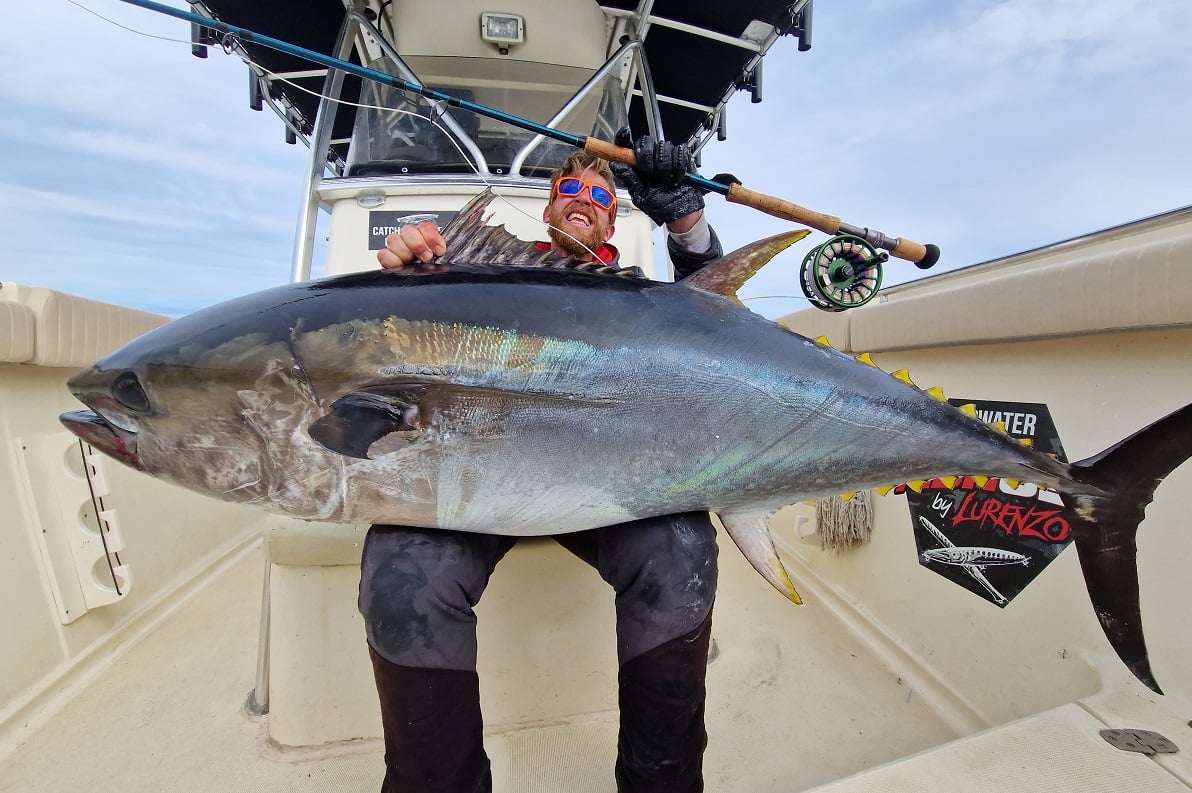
[[418, 586], [580, 226]]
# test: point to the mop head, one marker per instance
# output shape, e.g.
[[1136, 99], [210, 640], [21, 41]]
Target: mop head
[[842, 523]]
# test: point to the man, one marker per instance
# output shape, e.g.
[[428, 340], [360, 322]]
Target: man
[[655, 184], [418, 586]]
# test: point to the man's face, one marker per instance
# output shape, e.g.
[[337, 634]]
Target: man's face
[[576, 215]]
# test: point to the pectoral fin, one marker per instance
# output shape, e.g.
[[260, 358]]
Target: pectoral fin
[[361, 418], [751, 532]]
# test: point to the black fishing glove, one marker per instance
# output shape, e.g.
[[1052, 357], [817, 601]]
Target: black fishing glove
[[656, 184]]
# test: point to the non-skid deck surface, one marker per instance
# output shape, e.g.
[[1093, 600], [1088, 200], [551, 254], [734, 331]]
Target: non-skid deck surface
[[1059, 751], [793, 703]]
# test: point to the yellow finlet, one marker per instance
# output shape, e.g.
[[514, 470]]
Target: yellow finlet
[[1000, 426], [916, 485], [884, 489], [1014, 483], [866, 359], [938, 393], [904, 376], [981, 480], [969, 410], [1027, 441], [847, 496], [949, 481], [782, 325], [823, 341]]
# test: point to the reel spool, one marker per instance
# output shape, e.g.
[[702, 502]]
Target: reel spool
[[843, 273]]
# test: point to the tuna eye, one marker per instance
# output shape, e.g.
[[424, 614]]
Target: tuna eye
[[128, 392]]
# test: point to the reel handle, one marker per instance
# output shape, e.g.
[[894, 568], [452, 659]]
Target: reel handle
[[924, 256]]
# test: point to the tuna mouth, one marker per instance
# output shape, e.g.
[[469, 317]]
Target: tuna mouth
[[103, 435]]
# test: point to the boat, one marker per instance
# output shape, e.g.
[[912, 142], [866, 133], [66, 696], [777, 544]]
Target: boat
[[160, 640]]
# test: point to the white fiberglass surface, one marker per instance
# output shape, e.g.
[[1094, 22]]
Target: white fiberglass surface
[[793, 702]]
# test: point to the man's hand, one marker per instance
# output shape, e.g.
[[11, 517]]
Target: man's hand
[[412, 249], [657, 183]]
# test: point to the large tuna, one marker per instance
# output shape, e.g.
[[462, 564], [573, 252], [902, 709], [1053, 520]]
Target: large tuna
[[526, 401]]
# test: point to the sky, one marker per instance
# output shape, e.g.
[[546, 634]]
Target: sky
[[138, 175]]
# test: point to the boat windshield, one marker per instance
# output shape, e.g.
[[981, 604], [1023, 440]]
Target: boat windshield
[[398, 132]]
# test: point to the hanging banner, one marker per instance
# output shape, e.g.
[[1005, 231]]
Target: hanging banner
[[984, 535], [382, 223]]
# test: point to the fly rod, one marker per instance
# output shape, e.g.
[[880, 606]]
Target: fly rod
[[924, 256]]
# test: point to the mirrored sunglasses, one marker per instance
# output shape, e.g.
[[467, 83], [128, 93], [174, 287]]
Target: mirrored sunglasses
[[572, 186]]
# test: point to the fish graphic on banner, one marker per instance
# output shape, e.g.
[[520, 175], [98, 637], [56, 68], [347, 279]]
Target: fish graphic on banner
[[382, 223], [989, 535]]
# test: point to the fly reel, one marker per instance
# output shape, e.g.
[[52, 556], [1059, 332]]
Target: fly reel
[[843, 273]]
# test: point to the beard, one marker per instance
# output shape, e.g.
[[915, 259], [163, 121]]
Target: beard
[[575, 241]]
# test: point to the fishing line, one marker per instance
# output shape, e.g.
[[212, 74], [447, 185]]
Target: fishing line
[[450, 139], [125, 27], [776, 297], [924, 256], [227, 41]]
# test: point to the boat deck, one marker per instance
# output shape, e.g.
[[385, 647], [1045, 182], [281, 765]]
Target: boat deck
[[793, 704], [169, 715]]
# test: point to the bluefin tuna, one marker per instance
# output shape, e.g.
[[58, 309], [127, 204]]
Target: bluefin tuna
[[526, 400]]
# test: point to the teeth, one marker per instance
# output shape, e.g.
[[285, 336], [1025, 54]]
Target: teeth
[[579, 219]]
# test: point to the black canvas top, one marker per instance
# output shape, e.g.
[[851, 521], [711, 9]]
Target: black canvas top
[[684, 65]]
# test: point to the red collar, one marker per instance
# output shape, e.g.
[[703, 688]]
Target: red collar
[[606, 253]]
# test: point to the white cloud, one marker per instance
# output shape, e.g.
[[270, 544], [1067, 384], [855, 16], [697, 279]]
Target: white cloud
[[142, 177], [1088, 37], [17, 200], [197, 149]]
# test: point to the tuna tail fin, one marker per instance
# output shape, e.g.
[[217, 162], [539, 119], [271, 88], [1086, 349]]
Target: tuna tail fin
[[1106, 533], [726, 275]]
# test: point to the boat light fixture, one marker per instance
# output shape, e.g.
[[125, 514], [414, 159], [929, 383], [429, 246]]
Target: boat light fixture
[[370, 198], [504, 30]]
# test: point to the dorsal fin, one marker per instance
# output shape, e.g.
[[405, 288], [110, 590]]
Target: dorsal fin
[[470, 217], [471, 241], [726, 275]]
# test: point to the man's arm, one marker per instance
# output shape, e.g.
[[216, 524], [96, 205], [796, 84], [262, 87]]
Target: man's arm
[[657, 184], [692, 249]]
